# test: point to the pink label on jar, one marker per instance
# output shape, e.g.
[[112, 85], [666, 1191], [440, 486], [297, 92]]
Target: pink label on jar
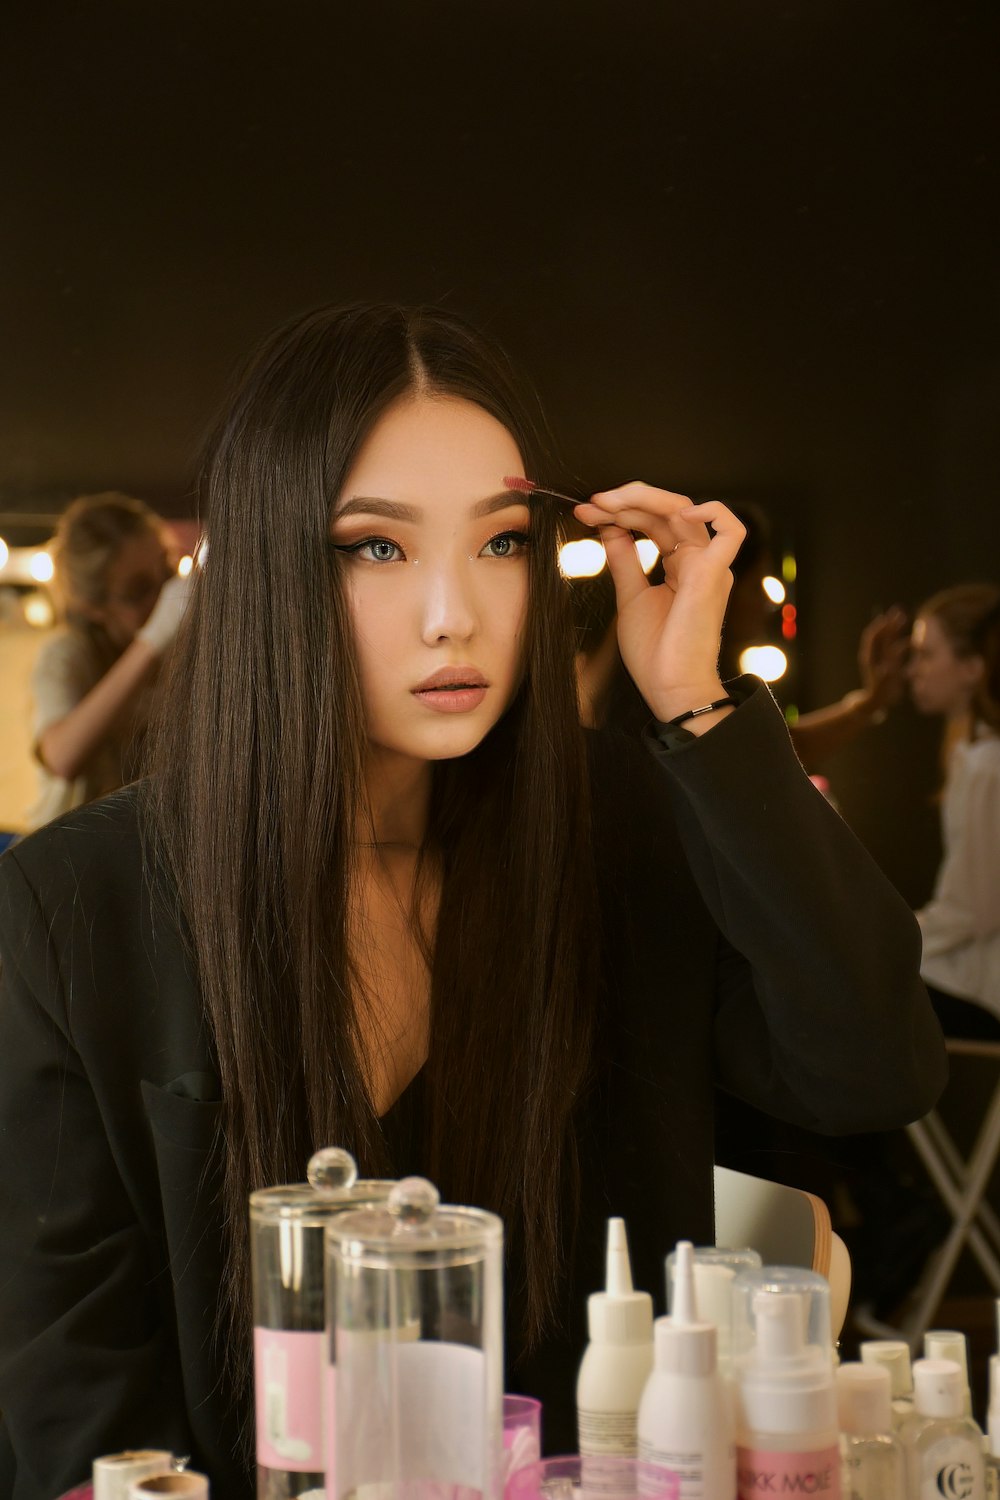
[[762, 1474], [288, 1387]]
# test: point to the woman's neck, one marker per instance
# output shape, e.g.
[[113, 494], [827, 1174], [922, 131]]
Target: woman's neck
[[399, 793]]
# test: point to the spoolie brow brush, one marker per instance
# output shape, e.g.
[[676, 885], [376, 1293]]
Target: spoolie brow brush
[[529, 487]]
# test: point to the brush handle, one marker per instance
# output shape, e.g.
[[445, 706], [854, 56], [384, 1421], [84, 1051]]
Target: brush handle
[[529, 487]]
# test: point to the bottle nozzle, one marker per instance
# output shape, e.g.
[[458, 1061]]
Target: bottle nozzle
[[618, 1275], [684, 1307], [780, 1324]]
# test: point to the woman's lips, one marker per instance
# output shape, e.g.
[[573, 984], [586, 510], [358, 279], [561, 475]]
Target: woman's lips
[[456, 700], [452, 690]]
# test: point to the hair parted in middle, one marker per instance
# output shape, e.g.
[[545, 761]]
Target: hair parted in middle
[[259, 787]]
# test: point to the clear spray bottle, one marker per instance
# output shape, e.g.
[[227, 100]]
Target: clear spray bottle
[[946, 1456], [873, 1465]]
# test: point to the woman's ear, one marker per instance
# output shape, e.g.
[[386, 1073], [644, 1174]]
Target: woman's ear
[[973, 670]]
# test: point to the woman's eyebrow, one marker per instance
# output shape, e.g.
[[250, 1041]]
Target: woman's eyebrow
[[394, 510], [502, 501]]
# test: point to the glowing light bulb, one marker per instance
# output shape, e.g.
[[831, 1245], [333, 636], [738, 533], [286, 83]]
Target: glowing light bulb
[[774, 589], [583, 559], [767, 662], [4, 553], [38, 611], [41, 567], [648, 552], [184, 566]]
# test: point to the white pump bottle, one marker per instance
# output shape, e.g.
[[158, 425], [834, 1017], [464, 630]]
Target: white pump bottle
[[787, 1439], [618, 1359]]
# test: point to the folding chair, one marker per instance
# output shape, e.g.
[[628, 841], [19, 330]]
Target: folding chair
[[962, 1184]]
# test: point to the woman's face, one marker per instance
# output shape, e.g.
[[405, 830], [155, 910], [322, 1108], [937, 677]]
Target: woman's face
[[135, 576], [941, 682], [433, 553]]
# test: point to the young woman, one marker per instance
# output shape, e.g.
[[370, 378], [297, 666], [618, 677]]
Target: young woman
[[955, 671], [384, 891], [92, 682]]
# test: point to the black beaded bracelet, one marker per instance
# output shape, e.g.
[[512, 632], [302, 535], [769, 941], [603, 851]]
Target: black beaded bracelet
[[694, 713]]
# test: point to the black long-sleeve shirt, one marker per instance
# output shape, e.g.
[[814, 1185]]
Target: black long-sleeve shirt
[[749, 942]]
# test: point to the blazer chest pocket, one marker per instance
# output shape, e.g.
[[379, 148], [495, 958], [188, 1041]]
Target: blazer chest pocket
[[178, 1121]]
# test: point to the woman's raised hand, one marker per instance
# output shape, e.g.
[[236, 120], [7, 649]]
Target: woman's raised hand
[[668, 633]]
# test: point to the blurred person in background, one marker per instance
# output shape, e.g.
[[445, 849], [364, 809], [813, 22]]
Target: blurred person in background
[[93, 682], [954, 671]]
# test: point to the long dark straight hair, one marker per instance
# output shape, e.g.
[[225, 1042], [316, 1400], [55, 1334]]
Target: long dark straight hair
[[259, 779]]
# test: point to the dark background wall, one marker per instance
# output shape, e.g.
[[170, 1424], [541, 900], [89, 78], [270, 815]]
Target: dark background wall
[[744, 247]]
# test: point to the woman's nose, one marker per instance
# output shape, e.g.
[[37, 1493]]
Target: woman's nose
[[447, 606]]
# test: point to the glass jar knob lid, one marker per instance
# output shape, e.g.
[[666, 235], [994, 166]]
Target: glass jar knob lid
[[413, 1202], [332, 1170]]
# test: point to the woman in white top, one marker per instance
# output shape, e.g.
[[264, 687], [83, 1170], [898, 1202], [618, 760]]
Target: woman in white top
[[92, 681], [955, 671]]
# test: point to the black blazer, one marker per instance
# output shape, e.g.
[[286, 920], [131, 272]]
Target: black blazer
[[749, 942]]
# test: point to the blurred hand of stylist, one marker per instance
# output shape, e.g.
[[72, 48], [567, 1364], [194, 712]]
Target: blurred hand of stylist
[[168, 611], [882, 653], [669, 633]]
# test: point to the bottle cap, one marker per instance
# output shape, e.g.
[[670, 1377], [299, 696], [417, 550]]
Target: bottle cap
[[685, 1348], [938, 1388], [864, 1399], [894, 1356], [993, 1410], [619, 1314], [684, 1344], [947, 1343]]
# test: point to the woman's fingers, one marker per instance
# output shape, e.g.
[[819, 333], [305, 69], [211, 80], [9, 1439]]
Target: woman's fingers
[[670, 520], [641, 507], [729, 529], [624, 564]]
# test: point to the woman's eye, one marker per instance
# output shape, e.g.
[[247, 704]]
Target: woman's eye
[[507, 544], [376, 549]]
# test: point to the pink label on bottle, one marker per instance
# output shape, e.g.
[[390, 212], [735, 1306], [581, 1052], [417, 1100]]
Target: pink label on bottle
[[762, 1474], [289, 1388]]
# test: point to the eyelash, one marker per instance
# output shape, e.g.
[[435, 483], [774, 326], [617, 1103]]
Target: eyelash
[[521, 538]]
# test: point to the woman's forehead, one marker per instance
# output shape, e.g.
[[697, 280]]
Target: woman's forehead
[[426, 447]]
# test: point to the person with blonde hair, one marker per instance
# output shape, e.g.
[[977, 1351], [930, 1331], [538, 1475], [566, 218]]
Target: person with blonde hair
[[92, 683]]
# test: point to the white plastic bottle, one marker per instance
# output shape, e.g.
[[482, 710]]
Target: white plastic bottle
[[894, 1354], [992, 1452], [948, 1343], [946, 1457], [618, 1359], [685, 1416], [872, 1462], [787, 1438]]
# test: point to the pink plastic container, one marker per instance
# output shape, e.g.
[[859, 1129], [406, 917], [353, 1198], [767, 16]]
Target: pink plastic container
[[522, 1433]]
